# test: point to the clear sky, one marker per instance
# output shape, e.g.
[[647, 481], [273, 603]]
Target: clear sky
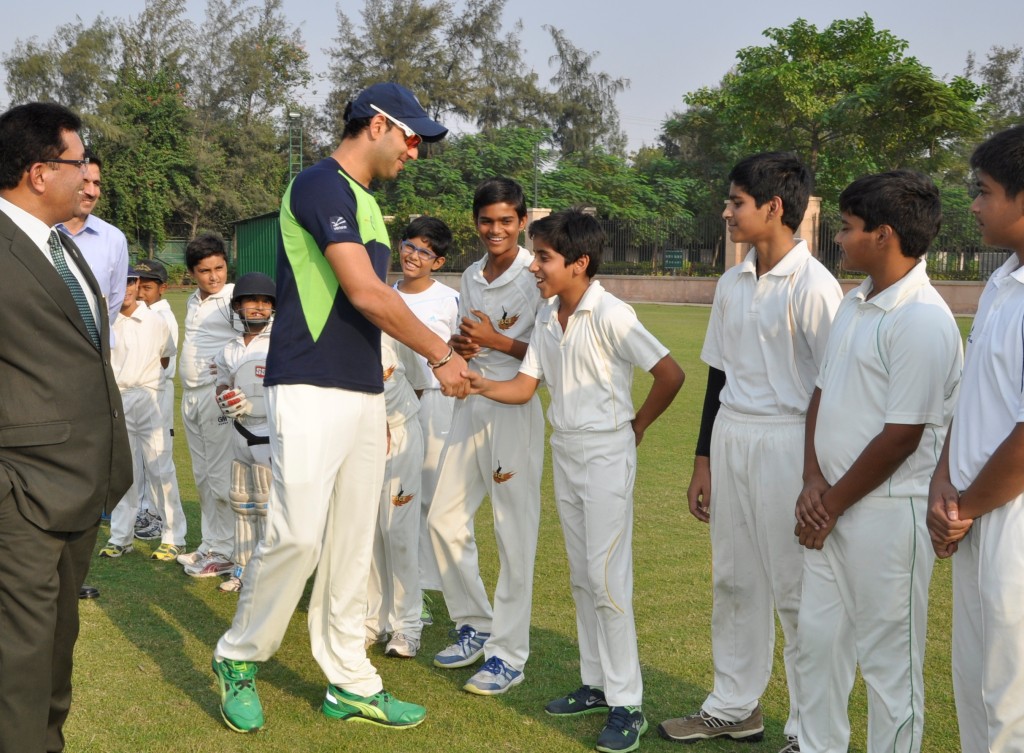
[[666, 48]]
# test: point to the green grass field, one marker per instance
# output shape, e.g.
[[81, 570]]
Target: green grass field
[[143, 679]]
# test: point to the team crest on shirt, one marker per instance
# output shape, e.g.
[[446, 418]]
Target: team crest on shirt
[[507, 321], [500, 477], [388, 372], [401, 498], [338, 224], [260, 371]]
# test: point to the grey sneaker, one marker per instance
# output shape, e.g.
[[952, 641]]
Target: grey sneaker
[[493, 678], [583, 700], [792, 746], [402, 646], [153, 528], [703, 726], [189, 558], [467, 649]]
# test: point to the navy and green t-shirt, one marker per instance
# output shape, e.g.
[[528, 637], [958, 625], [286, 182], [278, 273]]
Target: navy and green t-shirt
[[319, 337]]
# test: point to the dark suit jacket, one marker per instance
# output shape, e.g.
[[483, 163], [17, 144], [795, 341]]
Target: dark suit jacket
[[63, 444]]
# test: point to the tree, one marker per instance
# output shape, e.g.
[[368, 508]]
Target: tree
[[846, 98], [75, 67], [1004, 86], [586, 116]]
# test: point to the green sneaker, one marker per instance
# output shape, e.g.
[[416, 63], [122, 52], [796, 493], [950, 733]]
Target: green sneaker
[[379, 708], [239, 703], [622, 731]]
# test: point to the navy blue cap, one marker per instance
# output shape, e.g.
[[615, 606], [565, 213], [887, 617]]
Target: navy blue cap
[[399, 103]]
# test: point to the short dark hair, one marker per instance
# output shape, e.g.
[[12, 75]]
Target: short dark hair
[[94, 159], [30, 133], [573, 234], [203, 246], [433, 230], [905, 200], [1002, 158], [353, 126], [779, 174], [499, 191]]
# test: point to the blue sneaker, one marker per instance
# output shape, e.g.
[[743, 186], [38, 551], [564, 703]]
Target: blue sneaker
[[493, 678], [467, 649], [622, 731]]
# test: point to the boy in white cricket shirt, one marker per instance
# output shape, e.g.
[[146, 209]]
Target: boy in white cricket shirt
[[492, 449], [585, 345], [241, 367], [208, 328], [769, 324], [976, 507], [142, 348], [149, 523], [394, 598], [875, 426], [422, 252]]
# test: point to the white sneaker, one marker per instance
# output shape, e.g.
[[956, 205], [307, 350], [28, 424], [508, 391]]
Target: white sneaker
[[403, 646], [187, 559], [231, 585]]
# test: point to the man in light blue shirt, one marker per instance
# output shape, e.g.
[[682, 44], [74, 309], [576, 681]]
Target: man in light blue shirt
[[102, 244]]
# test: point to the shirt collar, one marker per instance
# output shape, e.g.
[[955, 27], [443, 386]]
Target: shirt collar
[[889, 298], [37, 230], [90, 226], [787, 264]]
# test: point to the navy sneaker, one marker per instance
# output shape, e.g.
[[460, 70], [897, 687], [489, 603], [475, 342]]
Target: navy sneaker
[[622, 731], [583, 700]]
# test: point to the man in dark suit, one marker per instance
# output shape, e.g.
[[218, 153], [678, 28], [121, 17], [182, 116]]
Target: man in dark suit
[[64, 453]]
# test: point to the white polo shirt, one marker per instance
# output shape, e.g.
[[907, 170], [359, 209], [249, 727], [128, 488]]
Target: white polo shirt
[[511, 302], [402, 377], [163, 308], [142, 340], [992, 394], [209, 326], [768, 335], [589, 368], [438, 308], [896, 359]]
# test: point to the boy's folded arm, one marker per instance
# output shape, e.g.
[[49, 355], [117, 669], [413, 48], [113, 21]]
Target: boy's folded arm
[[1000, 480], [876, 462]]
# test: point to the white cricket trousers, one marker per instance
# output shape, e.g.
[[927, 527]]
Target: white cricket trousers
[[988, 632], [151, 450], [757, 562], [495, 450], [328, 448], [865, 601], [210, 444], [394, 596], [435, 417], [165, 400], [594, 474]]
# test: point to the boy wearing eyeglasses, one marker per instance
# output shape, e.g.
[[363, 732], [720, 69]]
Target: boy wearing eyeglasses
[[422, 252]]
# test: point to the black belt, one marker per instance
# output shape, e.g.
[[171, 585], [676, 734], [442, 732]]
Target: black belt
[[250, 438]]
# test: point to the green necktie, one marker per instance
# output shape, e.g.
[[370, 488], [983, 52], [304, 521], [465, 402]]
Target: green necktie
[[61, 264]]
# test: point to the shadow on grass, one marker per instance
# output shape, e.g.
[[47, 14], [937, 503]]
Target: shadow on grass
[[175, 620]]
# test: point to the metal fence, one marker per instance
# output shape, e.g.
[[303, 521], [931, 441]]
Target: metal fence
[[957, 253], [687, 246]]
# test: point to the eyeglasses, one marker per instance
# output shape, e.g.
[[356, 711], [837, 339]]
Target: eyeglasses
[[412, 139], [423, 254], [79, 163]]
